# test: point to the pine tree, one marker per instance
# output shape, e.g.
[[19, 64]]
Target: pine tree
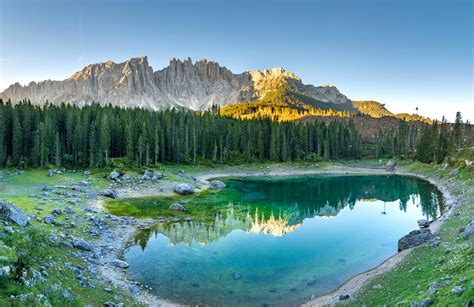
[[17, 145]]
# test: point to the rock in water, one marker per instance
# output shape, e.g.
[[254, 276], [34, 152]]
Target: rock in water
[[216, 184], [82, 244], [183, 189], [119, 263], [12, 213], [414, 238], [177, 207], [390, 166], [423, 223]]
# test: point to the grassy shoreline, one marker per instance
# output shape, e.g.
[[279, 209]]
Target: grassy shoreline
[[398, 286]]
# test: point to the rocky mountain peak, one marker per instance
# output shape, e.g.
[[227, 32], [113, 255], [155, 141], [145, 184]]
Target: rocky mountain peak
[[134, 83]]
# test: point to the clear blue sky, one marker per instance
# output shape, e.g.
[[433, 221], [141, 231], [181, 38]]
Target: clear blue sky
[[404, 53]]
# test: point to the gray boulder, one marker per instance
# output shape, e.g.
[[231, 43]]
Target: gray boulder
[[119, 263], [453, 172], [114, 175], [10, 212], [109, 193], [423, 223], [177, 207], [414, 238], [56, 212], [458, 290], [216, 184], [48, 219], [390, 166], [82, 244], [183, 189], [147, 175], [423, 303], [468, 230]]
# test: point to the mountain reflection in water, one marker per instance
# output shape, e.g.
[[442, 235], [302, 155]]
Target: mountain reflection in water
[[277, 206]]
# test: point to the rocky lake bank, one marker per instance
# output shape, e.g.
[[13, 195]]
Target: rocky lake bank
[[72, 212]]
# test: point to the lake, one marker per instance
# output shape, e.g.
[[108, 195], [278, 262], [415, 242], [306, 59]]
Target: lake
[[276, 241]]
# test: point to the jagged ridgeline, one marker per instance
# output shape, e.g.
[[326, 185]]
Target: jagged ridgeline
[[275, 93]]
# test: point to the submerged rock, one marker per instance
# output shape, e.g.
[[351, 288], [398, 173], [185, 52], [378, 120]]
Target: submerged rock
[[414, 238], [12, 213], [177, 207], [216, 184], [183, 189]]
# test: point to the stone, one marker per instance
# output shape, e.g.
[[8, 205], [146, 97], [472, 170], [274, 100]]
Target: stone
[[390, 166], [57, 212], [119, 263], [177, 207], [236, 276], [114, 175], [183, 189], [414, 238], [4, 271], [82, 244], [67, 296], [147, 175], [216, 184], [48, 219], [423, 303], [468, 230], [9, 230], [109, 193], [423, 223], [12, 213], [434, 286], [458, 290], [134, 290], [344, 297], [453, 172], [69, 210]]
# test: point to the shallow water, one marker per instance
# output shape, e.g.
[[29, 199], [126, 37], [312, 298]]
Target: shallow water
[[278, 241]]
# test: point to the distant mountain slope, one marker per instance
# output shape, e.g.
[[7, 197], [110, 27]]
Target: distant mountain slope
[[377, 110], [371, 108], [197, 86]]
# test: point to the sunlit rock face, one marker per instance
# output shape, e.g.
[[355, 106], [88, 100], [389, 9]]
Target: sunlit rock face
[[195, 86]]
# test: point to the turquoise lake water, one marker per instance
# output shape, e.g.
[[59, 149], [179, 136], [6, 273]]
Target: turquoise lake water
[[280, 241]]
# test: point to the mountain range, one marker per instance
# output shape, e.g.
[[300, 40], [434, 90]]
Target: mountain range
[[182, 84]]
